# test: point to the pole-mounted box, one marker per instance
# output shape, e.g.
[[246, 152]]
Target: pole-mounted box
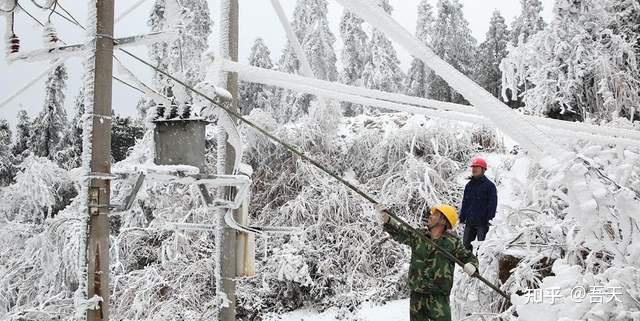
[[180, 142]]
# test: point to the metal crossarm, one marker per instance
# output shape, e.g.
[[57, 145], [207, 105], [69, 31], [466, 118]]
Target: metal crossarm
[[188, 175]]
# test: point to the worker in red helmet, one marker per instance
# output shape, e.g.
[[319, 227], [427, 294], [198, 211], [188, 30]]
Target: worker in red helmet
[[479, 204]]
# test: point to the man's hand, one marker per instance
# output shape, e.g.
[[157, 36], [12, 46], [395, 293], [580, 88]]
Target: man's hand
[[381, 214], [470, 269]]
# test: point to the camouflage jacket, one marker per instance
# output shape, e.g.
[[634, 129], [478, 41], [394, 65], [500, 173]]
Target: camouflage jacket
[[430, 272]]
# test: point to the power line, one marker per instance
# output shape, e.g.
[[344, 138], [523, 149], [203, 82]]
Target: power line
[[128, 85], [30, 15], [321, 167], [72, 17]]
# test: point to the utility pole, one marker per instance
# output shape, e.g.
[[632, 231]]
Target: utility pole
[[228, 250], [100, 166]]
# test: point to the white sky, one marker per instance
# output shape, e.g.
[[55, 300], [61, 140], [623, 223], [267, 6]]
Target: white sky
[[257, 19]]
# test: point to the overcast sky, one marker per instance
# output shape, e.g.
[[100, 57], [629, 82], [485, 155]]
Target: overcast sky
[[257, 19]]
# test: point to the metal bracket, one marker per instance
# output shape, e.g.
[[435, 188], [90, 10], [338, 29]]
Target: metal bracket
[[128, 201], [258, 230], [180, 175]]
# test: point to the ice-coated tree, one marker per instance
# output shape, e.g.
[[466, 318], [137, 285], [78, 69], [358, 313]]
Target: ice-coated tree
[[23, 134], [354, 55], [528, 22], [382, 70], [158, 51], [311, 27], [418, 75], [453, 42], [50, 126], [70, 157], [254, 95], [491, 53], [181, 57], [7, 169], [626, 21], [319, 40], [579, 67]]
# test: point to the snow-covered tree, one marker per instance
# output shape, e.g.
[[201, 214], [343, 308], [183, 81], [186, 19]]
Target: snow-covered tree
[[626, 21], [354, 55], [69, 157], [49, 128], [255, 95], [382, 70], [41, 190], [6, 157], [311, 27], [76, 127], [319, 40], [181, 57], [418, 75], [491, 53], [528, 22], [453, 42], [23, 134], [578, 66]]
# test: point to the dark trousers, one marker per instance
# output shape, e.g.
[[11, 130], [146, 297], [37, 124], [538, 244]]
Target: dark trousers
[[471, 231]]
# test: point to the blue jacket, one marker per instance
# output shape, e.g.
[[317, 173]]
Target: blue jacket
[[479, 201]]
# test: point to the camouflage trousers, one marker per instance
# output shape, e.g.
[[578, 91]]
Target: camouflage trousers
[[426, 307]]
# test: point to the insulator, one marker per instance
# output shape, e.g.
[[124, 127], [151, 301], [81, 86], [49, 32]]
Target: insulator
[[50, 35], [159, 111], [14, 44], [186, 111], [173, 111]]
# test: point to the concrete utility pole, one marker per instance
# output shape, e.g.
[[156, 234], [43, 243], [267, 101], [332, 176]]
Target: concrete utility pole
[[100, 167], [228, 251]]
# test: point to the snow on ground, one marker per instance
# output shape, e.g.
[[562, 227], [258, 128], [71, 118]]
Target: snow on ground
[[392, 311]]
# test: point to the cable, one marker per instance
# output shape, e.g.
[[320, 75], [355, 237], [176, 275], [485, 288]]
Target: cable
[[64, 17], [35, 3], [77, 23], [30, 15], [13, 22], [53, 9], [70, 15], [321, 167], [128, 85]]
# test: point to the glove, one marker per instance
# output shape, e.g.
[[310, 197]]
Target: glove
[[470, 269], [381, 214]]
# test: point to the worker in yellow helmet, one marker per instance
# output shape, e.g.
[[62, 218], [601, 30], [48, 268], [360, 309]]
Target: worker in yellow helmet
[[430, 272]]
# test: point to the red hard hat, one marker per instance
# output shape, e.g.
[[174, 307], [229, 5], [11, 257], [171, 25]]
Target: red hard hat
[[479, 162]]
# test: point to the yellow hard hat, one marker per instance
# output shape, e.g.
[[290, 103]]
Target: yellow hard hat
[[449, 212]]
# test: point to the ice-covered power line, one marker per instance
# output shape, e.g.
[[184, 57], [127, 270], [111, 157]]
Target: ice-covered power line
[[251, 73], [504, 118], [414, 105]]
